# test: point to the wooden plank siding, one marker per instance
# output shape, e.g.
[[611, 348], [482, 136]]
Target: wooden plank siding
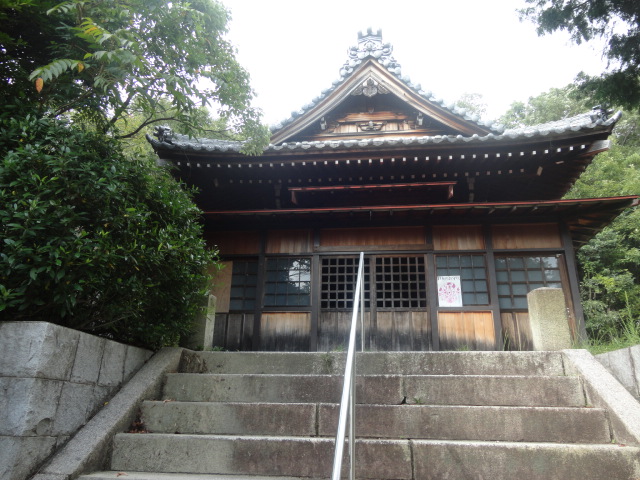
[[378, 236], [510, 237], [516, 331], [233, 331], [333, 330], [235, 242], [222, 286], [285, 331], [289, 241], [458, 237], [402, 331], [466, 330]]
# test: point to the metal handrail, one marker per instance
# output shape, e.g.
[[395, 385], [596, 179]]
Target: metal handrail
[[348, 399]]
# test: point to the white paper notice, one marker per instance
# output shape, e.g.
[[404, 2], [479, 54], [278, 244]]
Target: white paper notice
[[449, 291]]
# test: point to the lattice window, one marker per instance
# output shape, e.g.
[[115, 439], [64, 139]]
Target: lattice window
[[517, 276], [244, 279], [473, 276], [400, 282], [288, 282], [339, 276]]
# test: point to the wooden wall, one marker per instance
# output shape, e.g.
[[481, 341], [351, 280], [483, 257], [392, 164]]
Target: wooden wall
[[516, 331], [400, 329], [333, 330], [458, 237], [235, 243], [289, 241], [466, 330], [285, 331], [222, 286], [382, 237], [233, 331], [543, 235]]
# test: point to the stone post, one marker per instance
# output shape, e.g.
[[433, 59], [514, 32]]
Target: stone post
[[202, 335], [548, 319]]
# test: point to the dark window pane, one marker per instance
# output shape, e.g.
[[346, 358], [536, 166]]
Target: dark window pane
[[470, 269], [469, 299], [243, 281], [501, 263], [505, 302], [535, 276], [519, 289], [532, 262], [515, 262], [478, 260], [482, 298], [552, 275], [288, 281], [502, 277], [517, 276], [520, 302], [466, 273]]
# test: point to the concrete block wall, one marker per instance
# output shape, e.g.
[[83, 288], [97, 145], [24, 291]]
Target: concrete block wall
[[624, 364], [52, 380]]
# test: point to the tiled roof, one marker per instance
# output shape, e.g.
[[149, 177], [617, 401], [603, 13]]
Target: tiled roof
[[370, 46], [579, 123]]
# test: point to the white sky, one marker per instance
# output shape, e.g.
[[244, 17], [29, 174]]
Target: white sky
[[293, 49]]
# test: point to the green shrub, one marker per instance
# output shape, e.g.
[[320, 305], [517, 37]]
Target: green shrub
[[93, 240]]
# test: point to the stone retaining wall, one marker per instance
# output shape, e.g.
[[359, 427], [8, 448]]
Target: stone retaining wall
[[52, 381], [624, 364]]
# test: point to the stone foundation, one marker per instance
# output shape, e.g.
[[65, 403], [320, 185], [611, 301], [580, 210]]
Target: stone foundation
[[52, 381]]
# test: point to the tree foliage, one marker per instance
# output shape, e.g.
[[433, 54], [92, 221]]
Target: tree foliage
[[609, 264], [100, 59], [94, 240], [472, 103], [555, 104], [617, 22]]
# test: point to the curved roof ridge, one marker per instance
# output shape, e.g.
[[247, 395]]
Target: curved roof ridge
[[597, 118], [370, 45]]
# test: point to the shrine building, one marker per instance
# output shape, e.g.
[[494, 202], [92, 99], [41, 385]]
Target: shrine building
[[458, 219]]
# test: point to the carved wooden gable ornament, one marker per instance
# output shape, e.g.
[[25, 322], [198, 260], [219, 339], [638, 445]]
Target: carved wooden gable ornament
[[371, 97]]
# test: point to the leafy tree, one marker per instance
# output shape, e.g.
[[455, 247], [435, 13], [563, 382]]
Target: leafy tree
[[556, 104], [101, 60], [615, 21], [473, 103], [137, 144], [95, 240], [609, 264]]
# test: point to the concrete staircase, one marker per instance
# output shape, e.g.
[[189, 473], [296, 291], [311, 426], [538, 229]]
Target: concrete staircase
[[444, 415]]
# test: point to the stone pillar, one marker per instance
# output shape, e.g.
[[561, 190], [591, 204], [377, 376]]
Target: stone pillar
[[202, 335], [548, 319]]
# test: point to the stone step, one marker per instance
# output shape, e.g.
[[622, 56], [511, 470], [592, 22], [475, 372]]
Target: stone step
[[255, 455], [131, 475], [437, 460], [375, 459], [376, 363], [516, 424], [378, 389]]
